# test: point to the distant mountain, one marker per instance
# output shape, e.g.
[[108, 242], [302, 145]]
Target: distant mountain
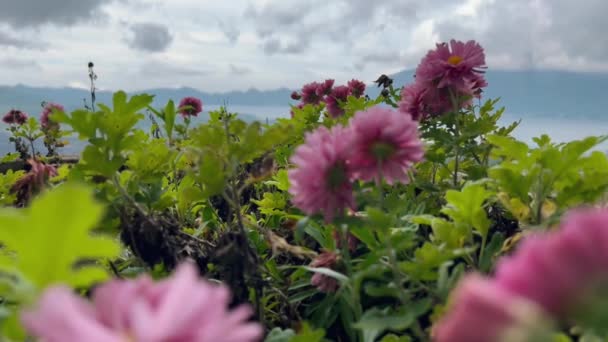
[[29, 99], [527, 93]]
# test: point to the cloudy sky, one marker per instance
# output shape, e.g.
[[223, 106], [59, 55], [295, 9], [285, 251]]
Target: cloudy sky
[[238, 44]]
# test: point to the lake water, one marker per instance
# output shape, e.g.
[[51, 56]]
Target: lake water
[[559, 129]]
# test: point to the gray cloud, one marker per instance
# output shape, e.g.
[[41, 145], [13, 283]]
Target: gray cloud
[[544, 33], [169, 70], [20, 63], [33, 13], [150, 37], [8, 40], [231, 31], [239, 70], [303, 22]]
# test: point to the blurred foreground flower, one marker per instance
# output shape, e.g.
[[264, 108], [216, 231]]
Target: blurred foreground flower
[[483, 312], [182, 308]]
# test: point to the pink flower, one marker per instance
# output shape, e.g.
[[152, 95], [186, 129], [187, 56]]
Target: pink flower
[[413, 101], [560, 269], [45, 121], [337, 95], [356, 87], [483, 312], [190, 106], [325, 88], [452, 65], [180, 309], [15, 116], [385, 145], [309, 93], [320, 281], [320, 181]]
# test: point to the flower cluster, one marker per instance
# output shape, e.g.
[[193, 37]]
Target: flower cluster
[[45, 121], [380, 143], [554, 275], [181, 308], [15, 117], [316, 92], [190, 106], [447, 79]]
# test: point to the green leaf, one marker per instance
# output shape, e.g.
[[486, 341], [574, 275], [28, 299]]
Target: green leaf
[[48, 238], [279, 335], [328, 272], [466, 206], [375, 321], [307, 334]]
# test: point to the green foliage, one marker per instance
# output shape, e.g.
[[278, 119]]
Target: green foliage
[[7, 180], [44, 242], [536, 183]]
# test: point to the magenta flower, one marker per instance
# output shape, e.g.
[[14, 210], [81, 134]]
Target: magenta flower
[[385, 145], [309, 93], [182, 308], [325, 88], [190, 106], [559, 270], [322, 282], [480, 311], [454, 65], [320, 181], [413, 101], [15, 116], [332, 101], [45, 121], [356, 87]]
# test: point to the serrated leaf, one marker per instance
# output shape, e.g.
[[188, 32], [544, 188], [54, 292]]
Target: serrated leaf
[[49, 237]]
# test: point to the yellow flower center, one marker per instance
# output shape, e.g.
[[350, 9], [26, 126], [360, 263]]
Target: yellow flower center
[[454, 60]]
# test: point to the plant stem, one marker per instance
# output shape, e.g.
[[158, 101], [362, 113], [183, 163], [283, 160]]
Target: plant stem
[[33, 149], [456, 109]]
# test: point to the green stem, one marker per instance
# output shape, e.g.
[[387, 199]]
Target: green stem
[[481, 250], [456, 109]]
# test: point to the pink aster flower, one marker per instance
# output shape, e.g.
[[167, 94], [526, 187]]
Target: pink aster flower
[[332, 101], [322, 282], [452, 65], [356, 87], [320, 181], [45, 121], [309, 93], [325, 88], [413, 101], [190, 106], [15, 116], [480, 311], [559, 270], [385, 145], [182, 308]]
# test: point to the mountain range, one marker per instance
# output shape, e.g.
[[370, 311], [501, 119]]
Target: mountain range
[[559, 94]]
